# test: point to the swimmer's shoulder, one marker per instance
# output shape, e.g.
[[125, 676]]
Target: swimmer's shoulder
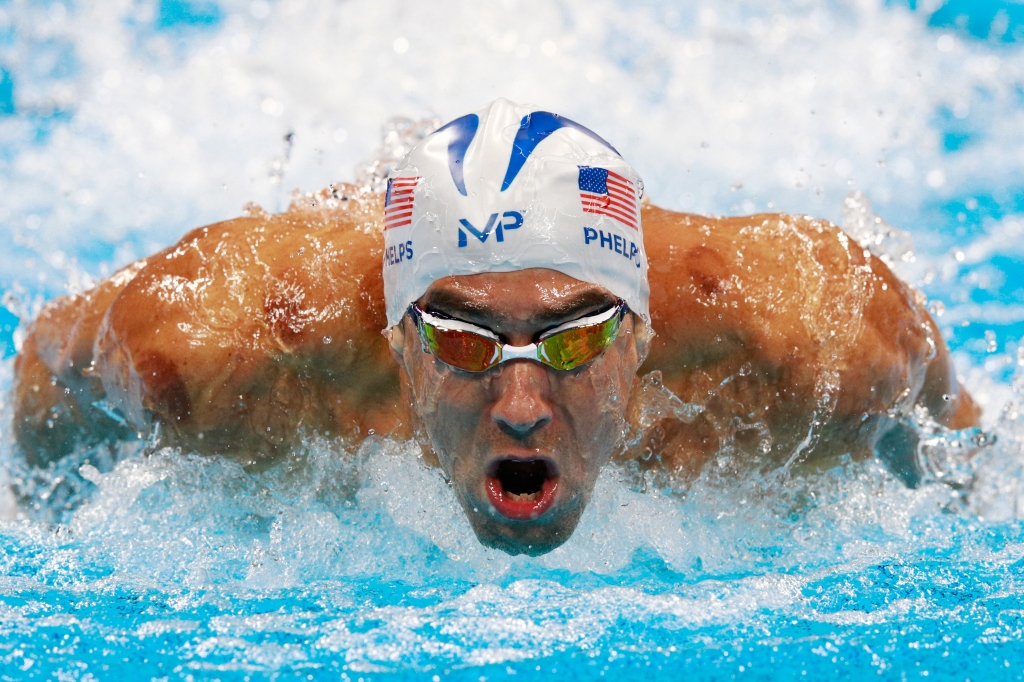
[[739, 259], [670, 234], [312, 252], [731, 290]]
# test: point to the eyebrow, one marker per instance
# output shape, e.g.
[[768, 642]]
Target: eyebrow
[[459, 306]]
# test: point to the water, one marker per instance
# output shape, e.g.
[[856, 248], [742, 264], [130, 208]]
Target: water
[[122, 124]]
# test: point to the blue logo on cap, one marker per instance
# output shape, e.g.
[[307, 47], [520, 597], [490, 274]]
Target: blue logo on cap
[[533, 129], [463, 131], [499, 227]]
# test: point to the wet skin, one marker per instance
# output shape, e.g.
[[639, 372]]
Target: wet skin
[[791, 343], [520, 411]]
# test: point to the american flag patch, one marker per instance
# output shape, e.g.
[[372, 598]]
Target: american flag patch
[[398, 201], [605, 192]]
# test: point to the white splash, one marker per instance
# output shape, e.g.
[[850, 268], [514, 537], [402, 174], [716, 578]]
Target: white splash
[[784, 105]]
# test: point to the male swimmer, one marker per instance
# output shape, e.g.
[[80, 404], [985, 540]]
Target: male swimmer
[[524, 289]]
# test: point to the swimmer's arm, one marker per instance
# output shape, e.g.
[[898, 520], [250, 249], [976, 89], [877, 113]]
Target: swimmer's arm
[[756, 317], [58, 396], [943, 394], [253, 332]]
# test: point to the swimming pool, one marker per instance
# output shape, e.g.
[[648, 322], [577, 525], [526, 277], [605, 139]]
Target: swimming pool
[[122, 124]]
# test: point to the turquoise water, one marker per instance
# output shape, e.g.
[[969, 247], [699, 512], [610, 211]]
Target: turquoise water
[[124, 123]]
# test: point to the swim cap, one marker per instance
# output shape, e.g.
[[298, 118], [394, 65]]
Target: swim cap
[[506, 188]]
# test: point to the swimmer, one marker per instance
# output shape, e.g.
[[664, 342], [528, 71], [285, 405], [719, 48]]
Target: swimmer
[[539, 317]]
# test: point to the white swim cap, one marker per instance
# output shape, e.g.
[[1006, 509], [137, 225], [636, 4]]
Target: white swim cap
[[507, 188]]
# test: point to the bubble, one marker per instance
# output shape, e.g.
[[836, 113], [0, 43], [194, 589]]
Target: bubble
[[272, 107], [936, 178], [259, 9]]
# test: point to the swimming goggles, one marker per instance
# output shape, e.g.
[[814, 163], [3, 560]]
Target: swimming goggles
[[476, 349]]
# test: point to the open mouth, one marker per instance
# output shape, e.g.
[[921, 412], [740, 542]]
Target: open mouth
[[522, 489]]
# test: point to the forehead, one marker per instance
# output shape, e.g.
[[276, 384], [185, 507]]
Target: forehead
[[523, 294]]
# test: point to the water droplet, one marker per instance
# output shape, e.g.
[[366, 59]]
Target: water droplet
[[745, 369], [253, 210], [384, 486], [990, 341], [327, 340], [947, 397]]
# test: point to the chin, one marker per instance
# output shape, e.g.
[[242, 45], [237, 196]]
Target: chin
[[532, 538]]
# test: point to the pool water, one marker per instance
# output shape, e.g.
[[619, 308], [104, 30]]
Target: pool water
[[124, 123]]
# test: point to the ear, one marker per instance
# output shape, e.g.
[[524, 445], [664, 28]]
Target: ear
[[642, 335], [396, 341], [397, 337]]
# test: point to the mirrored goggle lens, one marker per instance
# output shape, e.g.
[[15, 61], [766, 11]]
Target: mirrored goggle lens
[[461, 349], [578, 346]]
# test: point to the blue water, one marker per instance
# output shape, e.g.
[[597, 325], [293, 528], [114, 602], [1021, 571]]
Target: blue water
[[123, 124]]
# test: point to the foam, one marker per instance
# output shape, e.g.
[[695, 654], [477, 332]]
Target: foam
[[202, 535]]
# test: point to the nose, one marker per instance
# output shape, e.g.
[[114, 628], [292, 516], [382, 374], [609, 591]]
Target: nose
[[521, 406]]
